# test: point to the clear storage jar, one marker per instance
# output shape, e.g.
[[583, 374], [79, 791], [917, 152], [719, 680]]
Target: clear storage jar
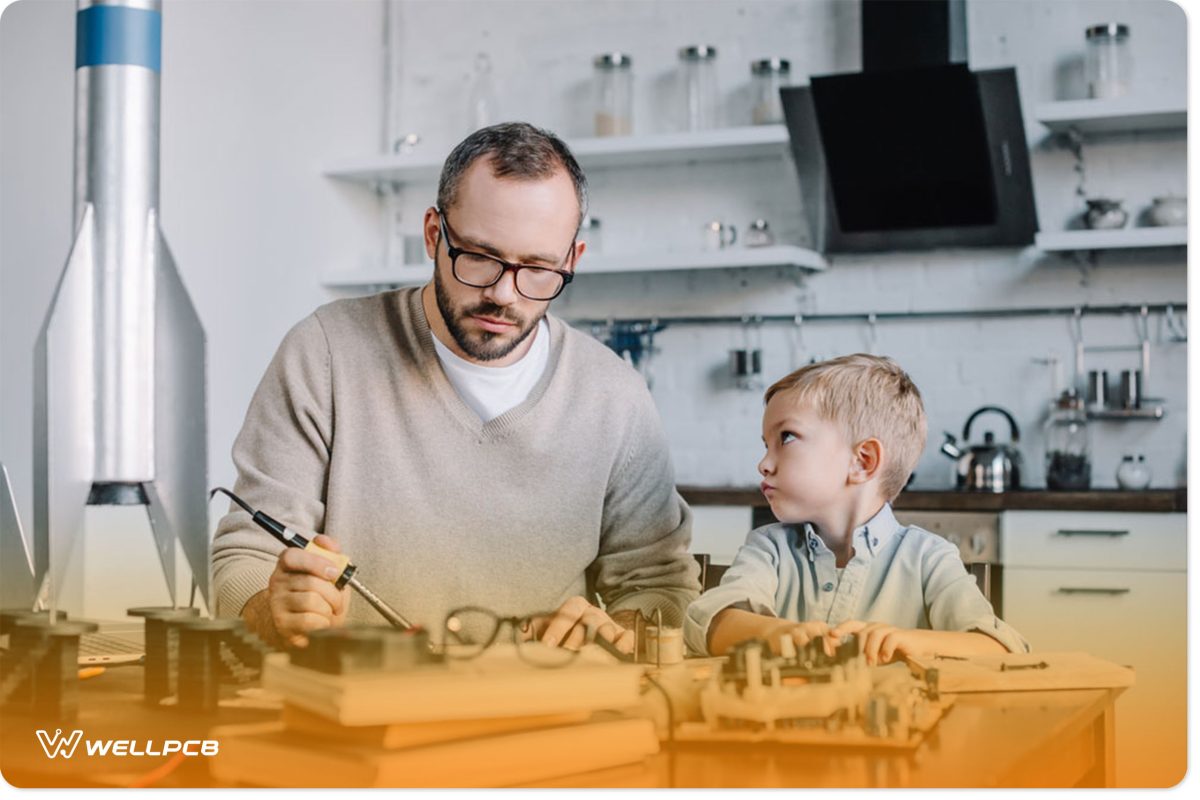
[[698, 65], [768, 76], [1108, 62], [1068, 445], [612, 85]]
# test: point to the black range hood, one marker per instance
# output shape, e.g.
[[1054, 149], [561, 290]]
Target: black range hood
[[916, 151]]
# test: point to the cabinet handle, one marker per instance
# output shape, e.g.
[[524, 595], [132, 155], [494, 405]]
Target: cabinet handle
[[1091, 590], [1084, 532]]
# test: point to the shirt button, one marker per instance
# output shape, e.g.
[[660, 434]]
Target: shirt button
[[828, 587], [874, 541]]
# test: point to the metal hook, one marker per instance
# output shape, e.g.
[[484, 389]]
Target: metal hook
[[798, 345], [1077, 341], [1077, 325], [746, 343], [1176, 325], [1142, 324]]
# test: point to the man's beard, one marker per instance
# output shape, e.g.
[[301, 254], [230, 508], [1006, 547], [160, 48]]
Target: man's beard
[[484, 345]]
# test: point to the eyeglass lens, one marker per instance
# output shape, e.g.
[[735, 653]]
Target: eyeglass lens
[[480, 271], [470, 631]]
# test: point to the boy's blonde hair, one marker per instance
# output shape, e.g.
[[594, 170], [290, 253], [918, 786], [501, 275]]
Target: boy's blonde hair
[[869, 397]]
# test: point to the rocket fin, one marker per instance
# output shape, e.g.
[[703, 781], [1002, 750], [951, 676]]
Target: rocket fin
[[179, 494], [16, 565], [64, 389]]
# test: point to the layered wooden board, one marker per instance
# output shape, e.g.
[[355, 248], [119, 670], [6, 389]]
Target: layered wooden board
[[1026, 672], [269, 754], [498, 684], [851, 735]]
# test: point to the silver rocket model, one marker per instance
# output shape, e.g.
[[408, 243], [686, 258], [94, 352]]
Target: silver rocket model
[[119, 386]]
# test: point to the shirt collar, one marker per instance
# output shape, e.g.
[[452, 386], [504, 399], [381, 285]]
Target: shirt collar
[[879, 529], [873, 536]]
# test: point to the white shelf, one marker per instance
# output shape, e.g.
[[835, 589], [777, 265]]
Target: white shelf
[[1125, 414], [1122, 238], [1124, 114], [733, 258], [757, 141]]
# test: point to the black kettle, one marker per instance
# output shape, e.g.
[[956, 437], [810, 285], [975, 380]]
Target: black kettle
[[987, 467]]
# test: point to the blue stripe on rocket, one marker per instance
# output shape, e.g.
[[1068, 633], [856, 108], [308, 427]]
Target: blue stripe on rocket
[[118, 35]]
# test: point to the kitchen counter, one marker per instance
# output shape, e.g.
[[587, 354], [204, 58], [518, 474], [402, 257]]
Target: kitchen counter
[[1151, 500]]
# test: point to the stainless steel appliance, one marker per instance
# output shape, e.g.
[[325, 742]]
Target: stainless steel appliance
[[917, 151], [990, 466]]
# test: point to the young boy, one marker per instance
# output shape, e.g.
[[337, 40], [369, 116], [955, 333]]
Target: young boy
[[842, 438]]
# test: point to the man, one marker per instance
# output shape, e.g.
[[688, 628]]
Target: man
[[462, 446]]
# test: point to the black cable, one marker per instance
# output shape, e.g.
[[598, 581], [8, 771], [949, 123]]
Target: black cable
[[232, 497]]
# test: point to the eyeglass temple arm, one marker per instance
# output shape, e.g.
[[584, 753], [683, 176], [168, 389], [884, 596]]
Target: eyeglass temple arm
[[613, 650]]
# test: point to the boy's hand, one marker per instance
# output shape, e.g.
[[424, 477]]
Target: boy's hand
[[801, 633], [881, 643]]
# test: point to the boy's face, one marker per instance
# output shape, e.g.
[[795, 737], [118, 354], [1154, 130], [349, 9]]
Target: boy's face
[[807, 462]]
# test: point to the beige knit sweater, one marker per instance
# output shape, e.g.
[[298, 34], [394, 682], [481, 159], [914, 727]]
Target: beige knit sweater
[[356, 432]]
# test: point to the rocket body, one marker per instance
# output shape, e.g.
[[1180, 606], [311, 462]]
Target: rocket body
[[117, 69], [120, 363]]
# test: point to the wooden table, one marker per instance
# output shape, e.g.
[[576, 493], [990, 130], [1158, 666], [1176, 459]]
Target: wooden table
[[1016, 739]]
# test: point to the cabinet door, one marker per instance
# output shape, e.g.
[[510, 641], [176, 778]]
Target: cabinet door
[[1093, 540], [1128, 617]]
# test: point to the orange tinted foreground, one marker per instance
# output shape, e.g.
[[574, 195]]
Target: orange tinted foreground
[[1047, 738]]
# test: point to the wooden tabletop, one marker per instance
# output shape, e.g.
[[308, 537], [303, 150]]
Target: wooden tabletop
[[1043, 738]]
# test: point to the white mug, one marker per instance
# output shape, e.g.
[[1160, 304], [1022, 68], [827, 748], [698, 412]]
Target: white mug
[[718, 235]]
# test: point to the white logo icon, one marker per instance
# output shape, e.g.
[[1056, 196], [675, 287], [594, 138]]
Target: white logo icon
[[58, 744]]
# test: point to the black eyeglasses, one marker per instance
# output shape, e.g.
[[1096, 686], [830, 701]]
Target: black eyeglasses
[[480, 270], [470, 630]]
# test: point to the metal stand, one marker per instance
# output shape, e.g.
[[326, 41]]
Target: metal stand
[[43, 666], [162, 648], [199, 675]]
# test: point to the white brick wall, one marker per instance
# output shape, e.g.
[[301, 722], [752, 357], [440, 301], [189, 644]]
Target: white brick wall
[[542, 65], [299, 85]]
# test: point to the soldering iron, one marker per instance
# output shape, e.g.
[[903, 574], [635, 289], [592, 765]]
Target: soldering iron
[[346, 578]]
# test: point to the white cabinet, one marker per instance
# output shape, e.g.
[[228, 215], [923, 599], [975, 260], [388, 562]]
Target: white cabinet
[[1114, 585]]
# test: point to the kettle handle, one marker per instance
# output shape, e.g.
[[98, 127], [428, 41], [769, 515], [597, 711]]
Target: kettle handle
[[1012, 423]]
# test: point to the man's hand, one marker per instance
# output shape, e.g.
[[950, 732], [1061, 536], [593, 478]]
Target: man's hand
[[301, 594], [569, 626], [881, 643]]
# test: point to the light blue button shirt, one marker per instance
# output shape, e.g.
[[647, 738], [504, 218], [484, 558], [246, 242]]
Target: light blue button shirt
[[899, 575]]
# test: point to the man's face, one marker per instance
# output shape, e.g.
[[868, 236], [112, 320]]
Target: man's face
[[807, 461], [520, 221]]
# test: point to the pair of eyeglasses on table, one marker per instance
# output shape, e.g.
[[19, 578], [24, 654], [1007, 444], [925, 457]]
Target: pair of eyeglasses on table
[[471, 630]]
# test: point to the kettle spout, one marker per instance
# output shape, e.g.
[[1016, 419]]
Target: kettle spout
[[950, 447]]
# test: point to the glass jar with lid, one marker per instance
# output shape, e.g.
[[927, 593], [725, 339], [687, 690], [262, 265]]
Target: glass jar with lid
[[1108, 63], [758, 234], [768, 76], [698, 65], [1068, 445], [612, 88]]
